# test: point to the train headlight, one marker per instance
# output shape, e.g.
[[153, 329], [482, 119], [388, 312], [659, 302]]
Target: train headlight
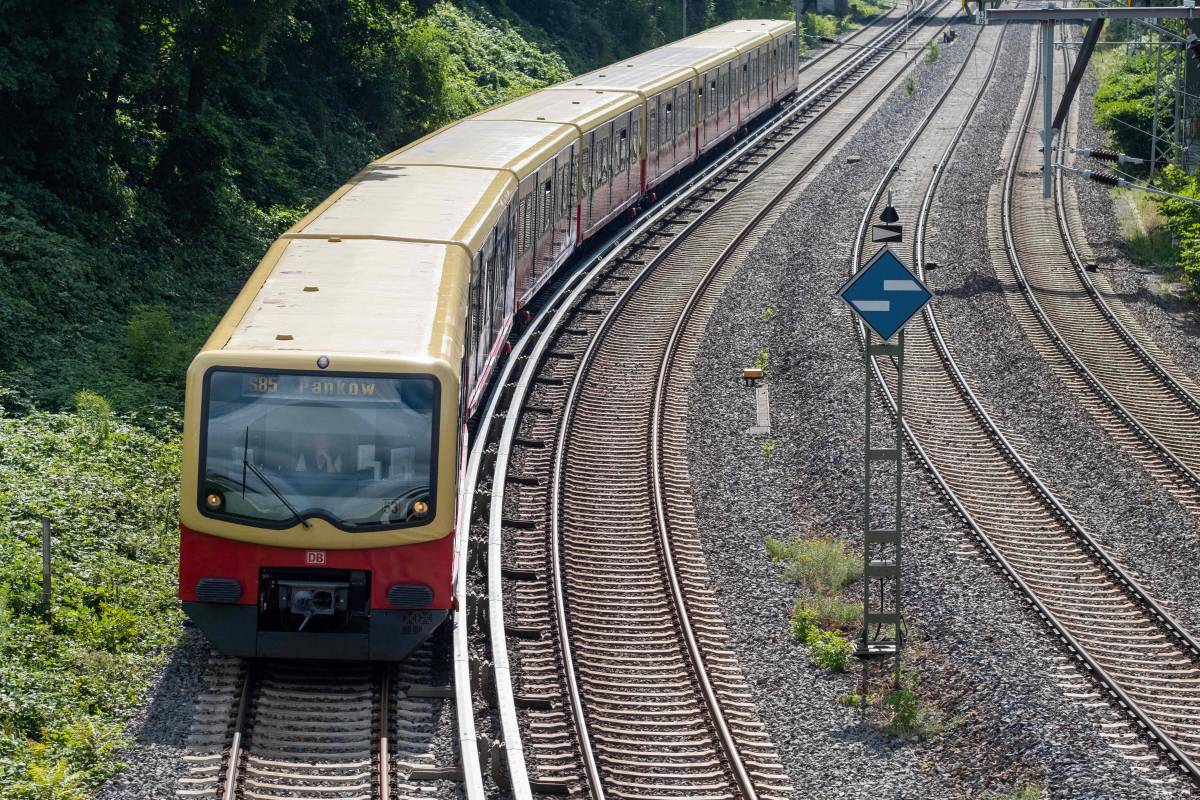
[[213, 501], [420, 508]]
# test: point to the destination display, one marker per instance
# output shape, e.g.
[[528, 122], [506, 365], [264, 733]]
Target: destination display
[[291, 386]]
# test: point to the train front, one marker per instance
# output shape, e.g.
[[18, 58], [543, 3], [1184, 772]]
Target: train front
[[317, 504]]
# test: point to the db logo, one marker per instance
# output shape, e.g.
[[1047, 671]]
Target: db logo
[[315, 558]]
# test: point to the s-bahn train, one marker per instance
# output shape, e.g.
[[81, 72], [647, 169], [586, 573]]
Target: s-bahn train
[[325, 421]]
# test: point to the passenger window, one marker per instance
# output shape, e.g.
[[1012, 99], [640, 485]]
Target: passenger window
[[477, 345]]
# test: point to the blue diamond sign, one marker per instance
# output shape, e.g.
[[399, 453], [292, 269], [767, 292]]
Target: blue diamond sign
[[884, 294]]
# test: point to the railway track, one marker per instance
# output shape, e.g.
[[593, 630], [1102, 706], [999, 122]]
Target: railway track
[[318, 730], [1143, 662], [624, 682], [1090, 341]]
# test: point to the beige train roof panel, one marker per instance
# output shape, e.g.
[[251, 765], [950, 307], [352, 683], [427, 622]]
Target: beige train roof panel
[[733, 39], [772, 27], [632, 75], [358, 296], [422, 203], [516, 145], [697, 57], [585, 108]]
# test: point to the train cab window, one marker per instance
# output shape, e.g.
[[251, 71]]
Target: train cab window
[[357, 450]]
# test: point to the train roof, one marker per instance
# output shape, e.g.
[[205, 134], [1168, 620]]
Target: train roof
[[584, 108], [633, 75], [518, 146], [418, 203], [772, 27], [358, 296], [379, 268]]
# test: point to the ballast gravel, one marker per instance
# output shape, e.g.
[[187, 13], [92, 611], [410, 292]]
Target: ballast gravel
[[1113, 497], [159, 732], [1158, 302], [984, 650]]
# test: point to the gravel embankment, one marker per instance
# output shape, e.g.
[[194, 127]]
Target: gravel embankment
[[983, 651], [1112, 496], [160, 730], [1157, 302]]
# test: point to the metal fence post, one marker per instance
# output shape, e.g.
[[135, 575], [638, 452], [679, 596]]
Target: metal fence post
[[46, 575]]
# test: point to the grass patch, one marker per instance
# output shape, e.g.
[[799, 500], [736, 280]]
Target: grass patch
[[762, 360], [1025, 791], [818, 25], [825, 566], [768, 448], [70, 678], [911, 84], [911, 719], [1148, 240], [768, 314], [933, 53]]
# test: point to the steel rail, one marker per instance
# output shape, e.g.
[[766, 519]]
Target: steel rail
[[234, 759], [385, 721], [1134, 343], [1066, 351], [603, 260], [576, 702], [656, 471], [1092, 548]]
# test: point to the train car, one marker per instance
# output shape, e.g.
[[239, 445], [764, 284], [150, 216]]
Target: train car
[[543, 159], [326, 416], [776, 61], [609, 127], [668, 125], [322, 422]]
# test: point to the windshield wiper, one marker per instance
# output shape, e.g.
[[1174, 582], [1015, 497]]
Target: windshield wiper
[[269, 485]]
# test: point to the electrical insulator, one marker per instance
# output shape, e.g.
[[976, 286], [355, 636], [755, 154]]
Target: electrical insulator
[[1108, 155], [1103, 177]]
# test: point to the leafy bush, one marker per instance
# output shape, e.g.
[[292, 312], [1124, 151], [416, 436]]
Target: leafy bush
[[69, 679], [910, 86], [95, 416], [1124, 101], [911, 720], [803, 624], [818, 25], [1182, 219], [933, 53], [831, 651], [133, 183]]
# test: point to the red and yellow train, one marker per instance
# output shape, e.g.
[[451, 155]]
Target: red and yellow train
[[325, 417]]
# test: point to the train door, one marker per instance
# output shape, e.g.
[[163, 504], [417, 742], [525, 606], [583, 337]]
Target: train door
[[653, 109], [586, 202]]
